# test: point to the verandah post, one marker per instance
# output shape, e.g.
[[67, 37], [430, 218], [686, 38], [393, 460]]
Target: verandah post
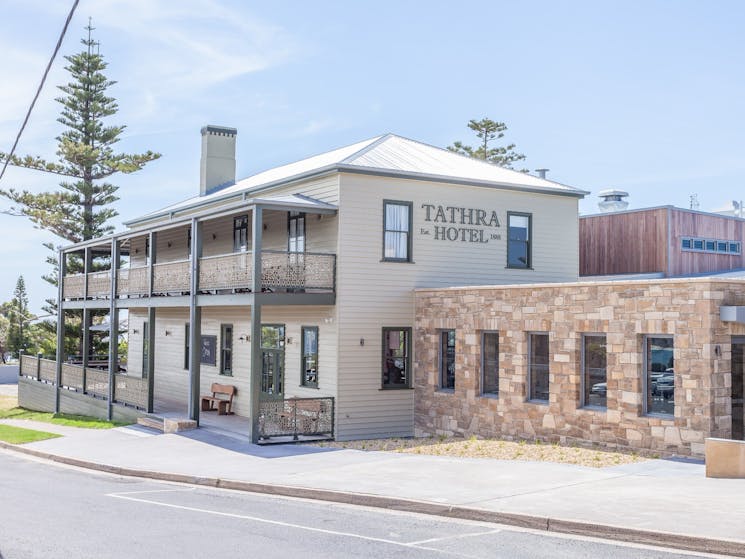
[[254, 400], [113, 328], [195, 322], [61, 271]]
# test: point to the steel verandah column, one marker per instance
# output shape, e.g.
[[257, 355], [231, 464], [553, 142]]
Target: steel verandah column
[[254, 410], [113, 328], [61, 271], [195, 322], [150, 360]]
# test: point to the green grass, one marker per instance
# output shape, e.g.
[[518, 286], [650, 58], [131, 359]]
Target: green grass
[[18, 435], [67, 420]]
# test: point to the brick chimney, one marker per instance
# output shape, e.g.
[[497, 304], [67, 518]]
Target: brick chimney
[[217, 166]]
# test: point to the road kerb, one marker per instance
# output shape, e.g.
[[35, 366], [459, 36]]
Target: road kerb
[[534, 522]]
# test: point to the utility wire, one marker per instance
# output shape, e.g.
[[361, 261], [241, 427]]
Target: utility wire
[[41, 85]]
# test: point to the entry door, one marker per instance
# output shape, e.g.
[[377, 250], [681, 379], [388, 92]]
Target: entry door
[[738, 360], [272, 360]]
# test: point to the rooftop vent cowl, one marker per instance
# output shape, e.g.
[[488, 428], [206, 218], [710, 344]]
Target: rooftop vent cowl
[[217, 164], [612, 200]]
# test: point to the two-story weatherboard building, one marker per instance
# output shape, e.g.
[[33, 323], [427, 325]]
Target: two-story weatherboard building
[[391, 288], [304, 275]]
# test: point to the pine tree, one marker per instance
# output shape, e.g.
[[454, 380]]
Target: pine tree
[[488, 131], [18, 317], [83, 205]]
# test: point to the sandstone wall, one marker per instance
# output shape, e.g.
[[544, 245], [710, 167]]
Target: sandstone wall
[[625, 311]]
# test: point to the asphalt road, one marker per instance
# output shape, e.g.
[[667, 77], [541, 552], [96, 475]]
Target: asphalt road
[[52, 511], [8, 374]]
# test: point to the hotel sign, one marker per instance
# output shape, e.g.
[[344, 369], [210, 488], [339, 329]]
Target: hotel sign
[[454, 223]]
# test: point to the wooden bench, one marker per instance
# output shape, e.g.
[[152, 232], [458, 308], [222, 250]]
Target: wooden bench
[[222, 396]]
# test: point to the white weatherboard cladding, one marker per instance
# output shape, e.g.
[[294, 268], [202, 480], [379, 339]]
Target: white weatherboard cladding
[[372, 294], [172, 379]]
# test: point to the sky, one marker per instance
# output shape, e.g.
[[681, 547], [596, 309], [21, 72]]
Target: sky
[[640, 95]]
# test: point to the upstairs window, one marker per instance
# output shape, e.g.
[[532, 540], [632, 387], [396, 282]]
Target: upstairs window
[[519, 240], [397, 217], [240, 233]]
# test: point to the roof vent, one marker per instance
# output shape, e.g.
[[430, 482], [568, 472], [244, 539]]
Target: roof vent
[[217, 165], [612, 200], [542, 172]]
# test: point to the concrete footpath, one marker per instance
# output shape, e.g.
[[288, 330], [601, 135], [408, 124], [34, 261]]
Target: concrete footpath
[[656, 502]]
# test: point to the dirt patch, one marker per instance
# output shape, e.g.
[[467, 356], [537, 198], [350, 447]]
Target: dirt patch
[[495, 449]]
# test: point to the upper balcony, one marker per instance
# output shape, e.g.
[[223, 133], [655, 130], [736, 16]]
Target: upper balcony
[[158, 262]]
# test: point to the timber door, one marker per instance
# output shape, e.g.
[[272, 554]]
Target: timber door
[[738, 360], [272, 360]]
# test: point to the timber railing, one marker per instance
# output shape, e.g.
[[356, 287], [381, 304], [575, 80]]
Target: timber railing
[[129, 390], [133, 281], [171, 277], [296, 417]]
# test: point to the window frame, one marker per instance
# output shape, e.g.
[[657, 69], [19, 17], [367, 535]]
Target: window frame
[[237, 247], [529, 242], [409, 244], [187, 353], [483, 392], [303, 381], [530, 397], [407, 357], [583, 403], [646, 372], [297, 217], [443, 345], [223, 349]]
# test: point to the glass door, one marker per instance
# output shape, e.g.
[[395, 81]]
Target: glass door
[[272, 360]]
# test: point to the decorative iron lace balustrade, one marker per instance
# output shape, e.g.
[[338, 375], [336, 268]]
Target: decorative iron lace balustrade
[[281, 271], [99, 284], [97, 382], [230, 271], [296, 417], [131, 390], [73, 286], [132, 281], [29, 366], [72, 376], [171, 277], [297, 270], [48, 371]]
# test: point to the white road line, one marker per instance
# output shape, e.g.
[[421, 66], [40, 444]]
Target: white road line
[[181, 490], [458, 536], [126, 497]]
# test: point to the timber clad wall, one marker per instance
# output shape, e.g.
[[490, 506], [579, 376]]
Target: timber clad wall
[[649, 240], [623, 243], [372, 294], [172, 379], [623, 311]]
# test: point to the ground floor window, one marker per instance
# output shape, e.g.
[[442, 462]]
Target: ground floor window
[[659, 375], [309, 373], [226, 349], [538, 367], [186, 346], [594, 377], [447, 359], [145, 349], [490, 363], [396, 357]]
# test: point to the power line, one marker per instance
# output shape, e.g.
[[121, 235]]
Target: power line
[[41, 86]]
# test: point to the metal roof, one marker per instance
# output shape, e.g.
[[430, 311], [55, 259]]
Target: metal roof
[[388, 155]]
